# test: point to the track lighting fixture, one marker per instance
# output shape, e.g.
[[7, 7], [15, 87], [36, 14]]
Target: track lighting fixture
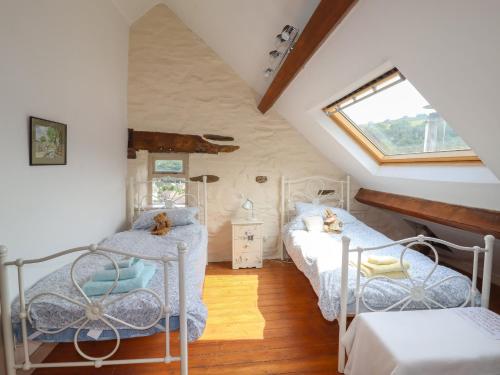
[[285, 42]]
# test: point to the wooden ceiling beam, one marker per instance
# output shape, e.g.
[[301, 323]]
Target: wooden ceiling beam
[[325, 18], [477, 220]]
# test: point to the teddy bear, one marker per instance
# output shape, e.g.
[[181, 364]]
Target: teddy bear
[[163, 224], [331, 223]]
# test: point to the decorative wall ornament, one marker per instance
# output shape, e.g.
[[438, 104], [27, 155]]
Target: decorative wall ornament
[[220, 138], [48, 142], [172, 142], [261, 179], [210, 178]]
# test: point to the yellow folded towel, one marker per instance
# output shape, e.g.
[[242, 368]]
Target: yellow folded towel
[[385, 268], [367, 272], [382, 259], [394, 271]]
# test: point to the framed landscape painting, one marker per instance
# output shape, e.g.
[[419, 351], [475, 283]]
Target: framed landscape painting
[[48, 141]]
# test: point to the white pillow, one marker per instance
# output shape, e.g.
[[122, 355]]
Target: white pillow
[[319, 209], [314, 223]]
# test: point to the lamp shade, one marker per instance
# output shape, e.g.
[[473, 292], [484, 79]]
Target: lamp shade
[[247, 205]]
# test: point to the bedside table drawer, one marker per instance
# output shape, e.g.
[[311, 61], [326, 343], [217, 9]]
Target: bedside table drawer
[[242, 246], [244, 232], [247, 260]]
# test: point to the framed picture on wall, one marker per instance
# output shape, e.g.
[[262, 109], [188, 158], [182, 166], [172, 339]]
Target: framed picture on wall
[[48, 142]]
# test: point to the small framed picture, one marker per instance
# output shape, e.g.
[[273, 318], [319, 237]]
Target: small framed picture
[[48, 142]]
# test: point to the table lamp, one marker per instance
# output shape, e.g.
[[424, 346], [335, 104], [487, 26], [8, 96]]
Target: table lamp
[[248, 205]]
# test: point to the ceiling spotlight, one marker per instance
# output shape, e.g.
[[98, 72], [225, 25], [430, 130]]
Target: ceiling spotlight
[[285, 33], [283, 38], [268, 72], [274, 54]]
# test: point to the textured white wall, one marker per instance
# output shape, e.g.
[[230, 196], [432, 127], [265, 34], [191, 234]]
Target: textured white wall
[[65, 61], [178, 84]]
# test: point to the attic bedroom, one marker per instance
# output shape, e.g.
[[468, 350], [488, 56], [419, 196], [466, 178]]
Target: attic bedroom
[[249, 187]]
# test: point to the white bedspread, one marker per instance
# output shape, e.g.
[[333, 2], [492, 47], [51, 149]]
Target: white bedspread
[[439, 342], [319, 257]]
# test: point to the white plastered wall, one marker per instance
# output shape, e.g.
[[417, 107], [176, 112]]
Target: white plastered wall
[[65, 61], [178, 84]]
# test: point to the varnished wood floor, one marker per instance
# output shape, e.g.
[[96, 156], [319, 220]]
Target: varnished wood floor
[[262, 321], [259, 322]]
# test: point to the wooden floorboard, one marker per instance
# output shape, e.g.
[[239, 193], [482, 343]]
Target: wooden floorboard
[[259, 322]]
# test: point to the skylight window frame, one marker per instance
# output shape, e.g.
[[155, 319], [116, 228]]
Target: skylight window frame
[[334, 111]]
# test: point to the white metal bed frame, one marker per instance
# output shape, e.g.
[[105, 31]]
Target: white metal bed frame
[[418, 289], [95, 309], [335, 192], [338, 194]]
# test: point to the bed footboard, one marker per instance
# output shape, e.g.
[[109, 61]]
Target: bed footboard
[[418, 290], [94, 310]]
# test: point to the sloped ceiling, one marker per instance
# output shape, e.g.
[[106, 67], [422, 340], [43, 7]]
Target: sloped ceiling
[[447, 48], [241, 32]]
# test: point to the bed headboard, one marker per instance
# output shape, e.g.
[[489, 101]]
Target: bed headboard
[[313, 189], [174, 192]]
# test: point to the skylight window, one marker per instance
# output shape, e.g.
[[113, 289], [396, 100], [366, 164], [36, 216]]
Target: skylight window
[[394, 123]]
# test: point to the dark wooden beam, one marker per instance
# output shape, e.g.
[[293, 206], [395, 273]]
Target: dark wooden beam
[[325, 18], [172, 142], [477, 220]]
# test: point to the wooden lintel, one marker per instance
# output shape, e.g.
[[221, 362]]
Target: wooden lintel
[[325, 18], [172, 142], [477, 220]]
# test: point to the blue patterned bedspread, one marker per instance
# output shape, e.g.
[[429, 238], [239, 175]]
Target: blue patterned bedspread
[[140, 309]]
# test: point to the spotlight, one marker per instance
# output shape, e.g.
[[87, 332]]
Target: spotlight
[[268, 72], [274, 54], [285, 33]]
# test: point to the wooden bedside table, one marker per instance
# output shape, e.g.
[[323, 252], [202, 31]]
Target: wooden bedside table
[[247, 243]]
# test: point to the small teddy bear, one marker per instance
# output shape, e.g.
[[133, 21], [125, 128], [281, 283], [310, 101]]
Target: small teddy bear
[[163, 224], [331, 223]]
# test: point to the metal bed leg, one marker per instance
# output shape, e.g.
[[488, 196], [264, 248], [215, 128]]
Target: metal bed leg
[[343, 302], [182, 308], [8, 343], [487, 267]]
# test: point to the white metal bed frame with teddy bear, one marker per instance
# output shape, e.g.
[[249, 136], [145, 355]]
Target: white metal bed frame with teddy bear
[[95, 309]]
